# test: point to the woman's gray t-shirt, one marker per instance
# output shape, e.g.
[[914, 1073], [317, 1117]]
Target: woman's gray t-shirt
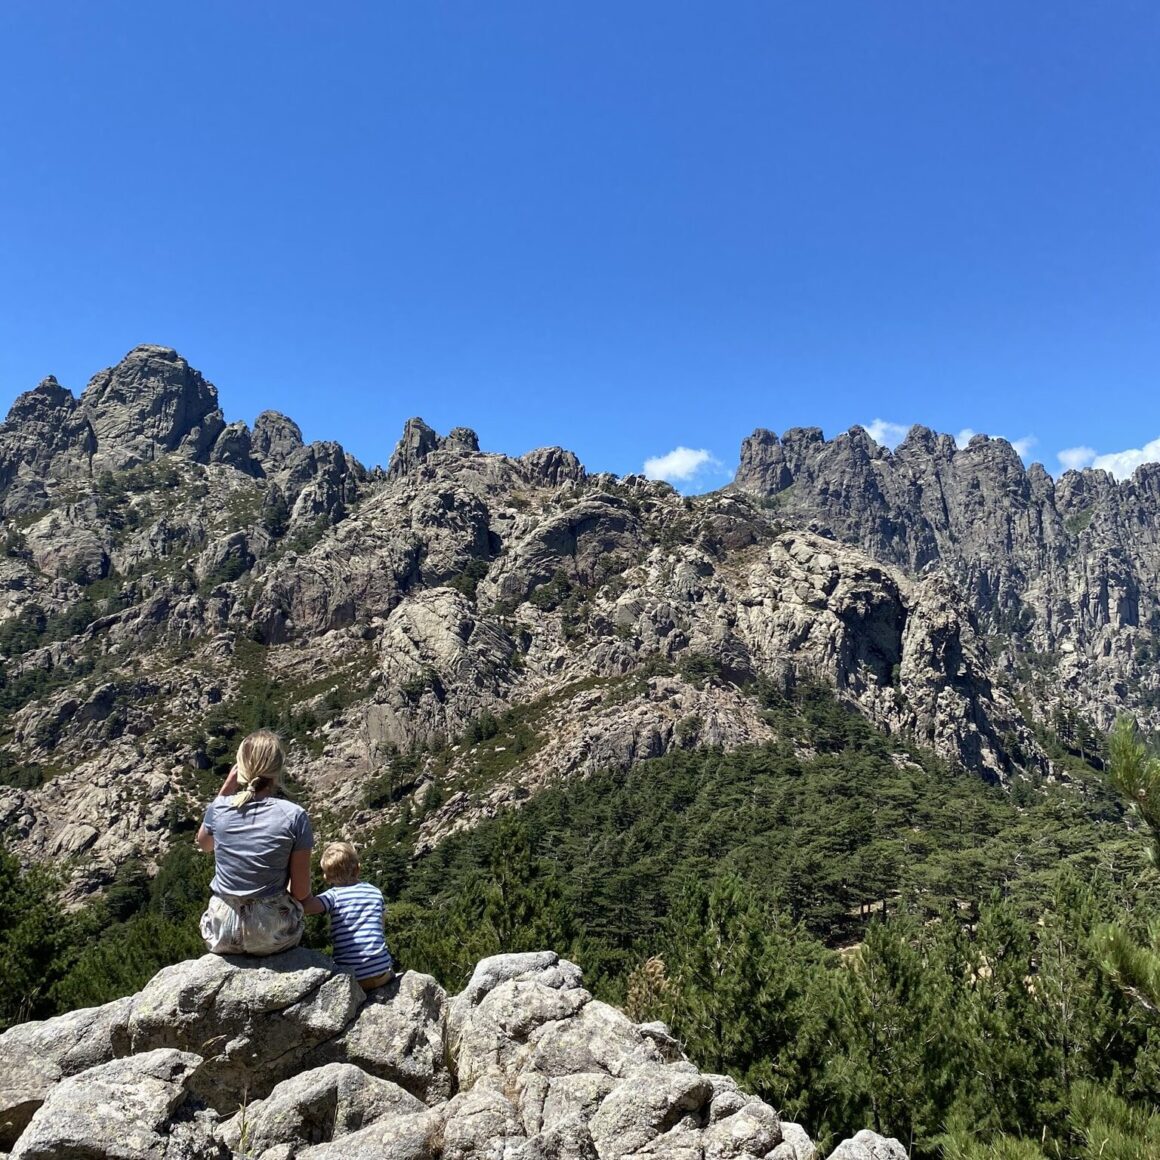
[[252, 846]]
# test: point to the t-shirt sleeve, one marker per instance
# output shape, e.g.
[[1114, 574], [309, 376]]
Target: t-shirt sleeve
[[327, 900], [207, 821], [302, 831]]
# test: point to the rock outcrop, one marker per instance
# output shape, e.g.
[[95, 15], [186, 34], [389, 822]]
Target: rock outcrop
[[149, 406], [419, 442], [285, 1058], [150, 403]]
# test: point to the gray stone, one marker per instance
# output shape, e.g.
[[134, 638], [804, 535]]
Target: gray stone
[[867, 1145], [255, 1021], [649, 1105], [418, 442], [478, 1125], [233, 449], [413, 1137], [415, 444], [552, 466], [398, 1036], [43, 435], [35, 1056], [120, 1110], [493, 1036], [274, 440], [597, 1038], [570, 1139], [571, 1096], [150, 403], [795, 1144], [315, 1107], [754, 1130]]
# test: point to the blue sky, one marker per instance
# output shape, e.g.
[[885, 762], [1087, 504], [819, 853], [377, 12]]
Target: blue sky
[[624, 228]]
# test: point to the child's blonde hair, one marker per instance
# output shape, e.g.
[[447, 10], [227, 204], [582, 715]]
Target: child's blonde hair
[[259, 765], [340, 864]]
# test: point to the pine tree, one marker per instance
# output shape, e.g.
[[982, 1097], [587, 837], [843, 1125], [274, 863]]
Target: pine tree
[[902, 1032], [1000, 1021], [33, 941], [745, 992], [1113, 1129], [1136, 774]]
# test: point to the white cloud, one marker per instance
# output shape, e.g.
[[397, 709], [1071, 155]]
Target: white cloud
[[1022, 446], [1076, 458], [1122, 463], [680, 464], [887, 434]]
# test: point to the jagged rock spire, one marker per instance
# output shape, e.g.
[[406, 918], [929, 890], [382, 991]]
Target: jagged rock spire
[[150, 403], [418, 441]]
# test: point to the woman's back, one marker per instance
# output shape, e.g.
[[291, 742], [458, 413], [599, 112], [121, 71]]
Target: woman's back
[[252, 845]]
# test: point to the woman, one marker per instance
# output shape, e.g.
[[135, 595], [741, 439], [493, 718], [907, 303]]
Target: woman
[[261, 846]]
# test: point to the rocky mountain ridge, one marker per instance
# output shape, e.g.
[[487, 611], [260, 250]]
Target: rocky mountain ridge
[[1065, 571], [285, 1057], [437, 640]]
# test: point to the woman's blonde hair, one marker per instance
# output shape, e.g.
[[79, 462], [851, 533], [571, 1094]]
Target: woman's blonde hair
[[259, 764], [340, 864]]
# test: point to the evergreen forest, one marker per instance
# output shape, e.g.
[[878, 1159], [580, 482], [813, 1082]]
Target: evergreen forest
[[860, 934]]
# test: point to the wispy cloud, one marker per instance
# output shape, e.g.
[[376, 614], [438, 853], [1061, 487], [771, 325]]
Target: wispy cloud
[[887, 434], [1076, 458], [680, 465], [1022, 446]]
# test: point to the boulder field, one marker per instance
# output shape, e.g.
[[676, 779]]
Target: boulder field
[[284, 1058]]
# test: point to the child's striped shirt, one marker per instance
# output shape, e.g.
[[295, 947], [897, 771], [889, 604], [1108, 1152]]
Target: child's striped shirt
[[356, 929]]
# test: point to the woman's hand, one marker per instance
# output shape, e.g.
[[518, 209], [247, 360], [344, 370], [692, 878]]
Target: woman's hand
[[230, 785]]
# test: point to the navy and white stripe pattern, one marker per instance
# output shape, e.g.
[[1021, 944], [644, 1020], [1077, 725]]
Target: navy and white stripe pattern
[[356, 929]]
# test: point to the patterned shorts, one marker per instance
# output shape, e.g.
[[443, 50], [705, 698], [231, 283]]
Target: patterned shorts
[[252, 926]]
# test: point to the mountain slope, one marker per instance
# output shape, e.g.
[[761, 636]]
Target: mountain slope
[[446, 635]]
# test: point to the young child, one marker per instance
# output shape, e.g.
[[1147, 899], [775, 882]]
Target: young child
[[356, 918]]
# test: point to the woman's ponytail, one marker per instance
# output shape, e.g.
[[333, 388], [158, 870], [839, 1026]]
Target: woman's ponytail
[[259, 765]]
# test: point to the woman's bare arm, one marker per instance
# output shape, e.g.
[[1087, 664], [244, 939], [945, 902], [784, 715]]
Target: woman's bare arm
[[300, 875], [204, 838]]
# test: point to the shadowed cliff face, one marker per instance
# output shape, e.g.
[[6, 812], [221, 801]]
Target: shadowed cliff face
[[1069, 569], [466, 620]]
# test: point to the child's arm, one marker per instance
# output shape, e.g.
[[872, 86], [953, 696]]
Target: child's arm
[[312, 905]]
